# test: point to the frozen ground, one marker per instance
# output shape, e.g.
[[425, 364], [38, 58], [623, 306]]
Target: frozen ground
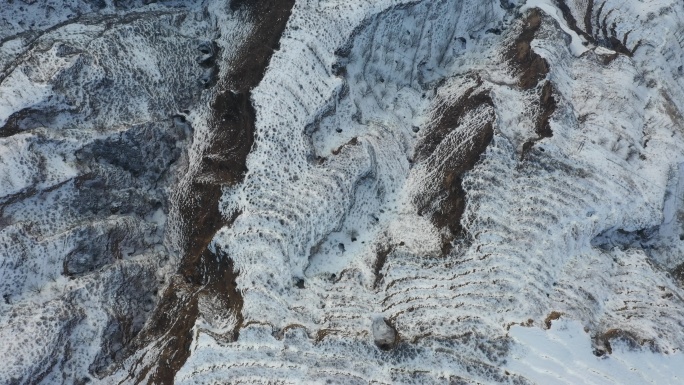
[[386, 191], [561, 356]]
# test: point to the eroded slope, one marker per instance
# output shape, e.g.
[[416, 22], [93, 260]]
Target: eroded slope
[[350, 192]]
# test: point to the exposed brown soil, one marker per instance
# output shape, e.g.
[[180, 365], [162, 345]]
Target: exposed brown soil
[[532, 68], [353, 142], [547, 106], [322, 333], [175, 316], [629, 338], [201, 273], [552, 317], [382, 253], [450, 119], [451, 196], [528, 324]]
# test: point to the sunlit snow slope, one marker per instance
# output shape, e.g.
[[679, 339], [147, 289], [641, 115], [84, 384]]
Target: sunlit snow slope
[[327, 191]]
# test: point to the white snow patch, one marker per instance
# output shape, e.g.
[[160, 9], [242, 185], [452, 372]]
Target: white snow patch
[[563, 355], [577, 46], [18, 92]]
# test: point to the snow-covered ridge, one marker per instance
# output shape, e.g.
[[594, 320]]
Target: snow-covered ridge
[[426, 177]]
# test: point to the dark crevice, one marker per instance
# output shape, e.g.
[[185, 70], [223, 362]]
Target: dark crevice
[[611, 238], [26, 119], [13, 124], [203, 274], [609, 38], [616, 45], [587, 17], [599, 12], [610, 41], [572, 23]]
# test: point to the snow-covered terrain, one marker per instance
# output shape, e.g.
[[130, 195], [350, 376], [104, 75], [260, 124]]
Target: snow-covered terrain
[[326, 191]]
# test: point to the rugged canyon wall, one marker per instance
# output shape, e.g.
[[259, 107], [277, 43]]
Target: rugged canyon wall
[[337, 192]]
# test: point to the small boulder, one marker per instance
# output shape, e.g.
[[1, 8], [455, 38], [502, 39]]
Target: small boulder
[[384, 335]]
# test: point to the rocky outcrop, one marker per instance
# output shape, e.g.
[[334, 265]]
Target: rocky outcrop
[[350, 192]]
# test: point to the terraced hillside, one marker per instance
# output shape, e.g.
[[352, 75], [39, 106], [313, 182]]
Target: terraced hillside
[[386, 191]]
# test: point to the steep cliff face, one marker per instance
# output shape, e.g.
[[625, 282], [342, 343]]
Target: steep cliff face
[[344, 192]]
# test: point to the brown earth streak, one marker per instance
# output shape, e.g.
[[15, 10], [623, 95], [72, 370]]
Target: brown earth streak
[[201, 273], [627, 337], [547, 106], [353, 142], [532, 71], [532, 68], [451, 196], [554, 315], [382, 253]]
